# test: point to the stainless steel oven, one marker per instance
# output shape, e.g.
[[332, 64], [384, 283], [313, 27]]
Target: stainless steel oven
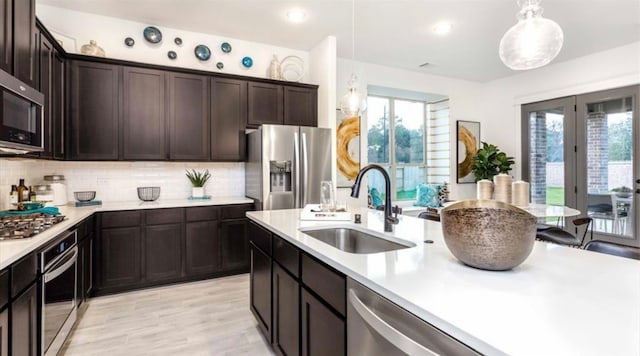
[[21, 116], [58, 281]]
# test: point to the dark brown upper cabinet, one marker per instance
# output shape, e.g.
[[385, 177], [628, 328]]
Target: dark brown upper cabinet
[[188, 117], [46, 88], [94, 110], [264, 104], [25, 42], [58, 106], [143, 120], [6, 35], [228, 119], [300, 106]]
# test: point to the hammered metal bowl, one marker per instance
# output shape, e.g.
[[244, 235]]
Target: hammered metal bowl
[[488, 234]]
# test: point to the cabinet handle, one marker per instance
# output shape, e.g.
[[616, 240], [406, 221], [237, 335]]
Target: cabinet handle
[[391, 334]]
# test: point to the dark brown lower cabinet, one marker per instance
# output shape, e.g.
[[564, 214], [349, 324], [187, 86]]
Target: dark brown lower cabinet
[[234, 243], [163, 252], [323, 332], [286, 315], [4, 332], [120, 257], [202, 253], [24, 323], [260, 289]]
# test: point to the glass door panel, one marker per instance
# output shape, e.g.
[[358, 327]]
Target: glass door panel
[[548, 160], [607, 132]]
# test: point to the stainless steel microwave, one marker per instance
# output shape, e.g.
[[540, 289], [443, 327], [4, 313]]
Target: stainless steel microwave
[[21, 116]]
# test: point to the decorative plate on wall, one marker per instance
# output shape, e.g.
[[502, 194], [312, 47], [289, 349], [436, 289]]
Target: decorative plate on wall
[[292, 68], [225, 47], [152, 34], [247, 62], [220, 65], [202, 52], [129, 42], [172, 55]]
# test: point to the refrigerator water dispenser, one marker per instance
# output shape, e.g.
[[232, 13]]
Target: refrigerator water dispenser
[[280, 176]]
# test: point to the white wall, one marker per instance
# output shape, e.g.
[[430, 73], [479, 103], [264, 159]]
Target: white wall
[[500, 100], [463, 97], [110, 32]]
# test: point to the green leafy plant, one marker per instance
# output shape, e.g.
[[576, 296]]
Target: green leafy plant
[[198, 179], [489, 161]]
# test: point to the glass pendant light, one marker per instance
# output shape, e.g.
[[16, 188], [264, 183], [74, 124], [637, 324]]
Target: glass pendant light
[[533, 42], [353, 104]]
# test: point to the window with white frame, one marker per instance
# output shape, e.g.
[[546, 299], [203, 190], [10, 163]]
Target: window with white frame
[[410, 139]]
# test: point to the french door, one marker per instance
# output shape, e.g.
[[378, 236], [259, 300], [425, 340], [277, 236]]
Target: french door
[[583, 152]]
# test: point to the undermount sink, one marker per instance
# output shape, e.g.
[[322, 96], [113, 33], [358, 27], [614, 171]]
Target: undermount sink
[[354, 241]]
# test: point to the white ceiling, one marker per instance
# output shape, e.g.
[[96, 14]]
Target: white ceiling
[[395, 33]]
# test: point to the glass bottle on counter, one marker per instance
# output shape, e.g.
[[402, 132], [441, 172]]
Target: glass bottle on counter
[[23, 191], [13, 196], [32, 193]]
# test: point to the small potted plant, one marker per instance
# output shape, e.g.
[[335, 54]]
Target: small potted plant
[[489, 161], [198, 180]]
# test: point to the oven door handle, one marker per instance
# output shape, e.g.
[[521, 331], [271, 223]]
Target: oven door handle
[[62, 266]]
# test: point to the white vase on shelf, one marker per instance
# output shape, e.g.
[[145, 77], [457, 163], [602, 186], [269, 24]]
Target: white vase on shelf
[[197, 192]]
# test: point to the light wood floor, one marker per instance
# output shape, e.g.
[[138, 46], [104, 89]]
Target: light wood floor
[[201, 318]]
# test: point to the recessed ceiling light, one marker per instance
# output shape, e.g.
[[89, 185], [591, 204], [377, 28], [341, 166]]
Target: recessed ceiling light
[[442, 28], [296, 15]]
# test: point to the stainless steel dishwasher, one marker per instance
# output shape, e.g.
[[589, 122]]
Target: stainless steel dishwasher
[[376, 326]]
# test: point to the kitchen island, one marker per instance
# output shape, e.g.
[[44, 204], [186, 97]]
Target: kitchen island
[[560, 301]]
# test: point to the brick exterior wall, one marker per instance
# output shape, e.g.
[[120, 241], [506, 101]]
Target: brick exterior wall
[[597, 153], [538, 159]]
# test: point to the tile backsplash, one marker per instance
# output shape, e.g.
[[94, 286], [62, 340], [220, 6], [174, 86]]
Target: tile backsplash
[[117, 181]]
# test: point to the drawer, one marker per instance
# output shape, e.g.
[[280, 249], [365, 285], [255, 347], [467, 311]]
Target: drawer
[[162, 216], [4, 288], [23, 273], [326, 282], [287, 255], [121, 218], [260, 237], [202, 213], [235, 211]]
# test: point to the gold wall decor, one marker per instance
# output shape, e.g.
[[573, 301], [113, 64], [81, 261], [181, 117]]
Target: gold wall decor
[[348, 149], [468, 133]]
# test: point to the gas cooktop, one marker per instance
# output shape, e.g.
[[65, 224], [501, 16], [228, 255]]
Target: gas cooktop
[[23, 226]]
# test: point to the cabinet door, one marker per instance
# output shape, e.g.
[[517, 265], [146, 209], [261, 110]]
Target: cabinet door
[[202, 248], [46, 88], [234, 245], [163, 252], [25, 42], [57, 106], [6, 35], [300, 106], [87, 282], [264, 104], [24, 323], [188, 117], [143, 122], [323, 332], [260, 289], [120, 251], [94, 111], [4, 333], [286, 313], [228, 119]]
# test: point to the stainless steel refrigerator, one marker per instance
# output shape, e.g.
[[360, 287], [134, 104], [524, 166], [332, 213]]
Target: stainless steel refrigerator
[[286, 164]]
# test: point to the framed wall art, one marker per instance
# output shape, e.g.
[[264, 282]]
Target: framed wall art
[[348, 149], [468, 134]]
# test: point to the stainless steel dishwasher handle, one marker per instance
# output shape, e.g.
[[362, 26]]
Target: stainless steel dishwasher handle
[[56, 272], [395, 337]]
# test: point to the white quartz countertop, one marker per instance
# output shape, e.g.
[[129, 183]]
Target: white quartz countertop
[[560, 301], [12, 250]]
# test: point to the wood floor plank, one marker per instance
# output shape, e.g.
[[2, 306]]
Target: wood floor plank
[[201, 318]]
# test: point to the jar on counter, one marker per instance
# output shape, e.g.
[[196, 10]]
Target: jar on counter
[[59, 188]]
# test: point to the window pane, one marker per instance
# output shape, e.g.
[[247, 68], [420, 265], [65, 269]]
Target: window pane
[[378, 130], [407, 180], [376, 187], [409, 131]]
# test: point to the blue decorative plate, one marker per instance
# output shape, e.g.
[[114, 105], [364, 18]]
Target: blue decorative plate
[[202, 52], [225, 47], [172, 55], [152, 34], [220, 65], [247, 62], [129, 42]]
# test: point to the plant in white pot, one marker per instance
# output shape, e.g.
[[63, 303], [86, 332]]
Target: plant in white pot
[[198, 180]]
